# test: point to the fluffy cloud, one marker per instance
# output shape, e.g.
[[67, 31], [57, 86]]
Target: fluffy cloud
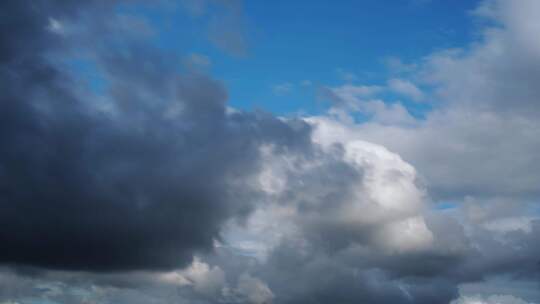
[[481, 138], [405, 88]]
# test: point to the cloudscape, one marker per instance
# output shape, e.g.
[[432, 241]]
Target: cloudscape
[[258, 152]]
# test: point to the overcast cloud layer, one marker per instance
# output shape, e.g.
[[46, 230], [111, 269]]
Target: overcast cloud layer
[[151, 189]]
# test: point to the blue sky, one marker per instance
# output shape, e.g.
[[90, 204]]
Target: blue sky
[[292, 43]]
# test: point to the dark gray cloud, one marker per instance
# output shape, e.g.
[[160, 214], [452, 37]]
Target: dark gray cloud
[[312, 276], [141, 185]]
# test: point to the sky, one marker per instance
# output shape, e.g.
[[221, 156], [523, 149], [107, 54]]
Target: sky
[[257, 152]]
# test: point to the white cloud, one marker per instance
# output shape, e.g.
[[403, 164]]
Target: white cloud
[[499, 72], [387, 113], [482, 138], [359, 98], [352, 93], [56, 26], [494, 299], [388, 194], [254, 290], [385, 194], [406, 88], [204, 279]]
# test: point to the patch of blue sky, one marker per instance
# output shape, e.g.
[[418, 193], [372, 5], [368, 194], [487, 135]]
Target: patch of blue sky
[[533, 208], [301, 40], [319, 42], [87, 71]]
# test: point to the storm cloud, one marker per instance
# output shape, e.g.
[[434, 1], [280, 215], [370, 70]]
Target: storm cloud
[[139, 185]]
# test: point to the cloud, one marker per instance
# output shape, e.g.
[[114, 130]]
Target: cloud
[[406, 88], [155, 192], [372, 214], [138, 186], [471, 149], [397, 66], [349, 99], [55, 26], [205, 280], [224, 21], [494, 299], [226, 29], [329, 221], [477, 148], [346, 75], [196, 61], [497, 73], [254, 290], [485, 115]]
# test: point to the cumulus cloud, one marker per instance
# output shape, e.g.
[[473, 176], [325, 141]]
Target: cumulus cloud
[[351, 99], [485, 117], [254, 290], [329, 221], [471, 150]]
